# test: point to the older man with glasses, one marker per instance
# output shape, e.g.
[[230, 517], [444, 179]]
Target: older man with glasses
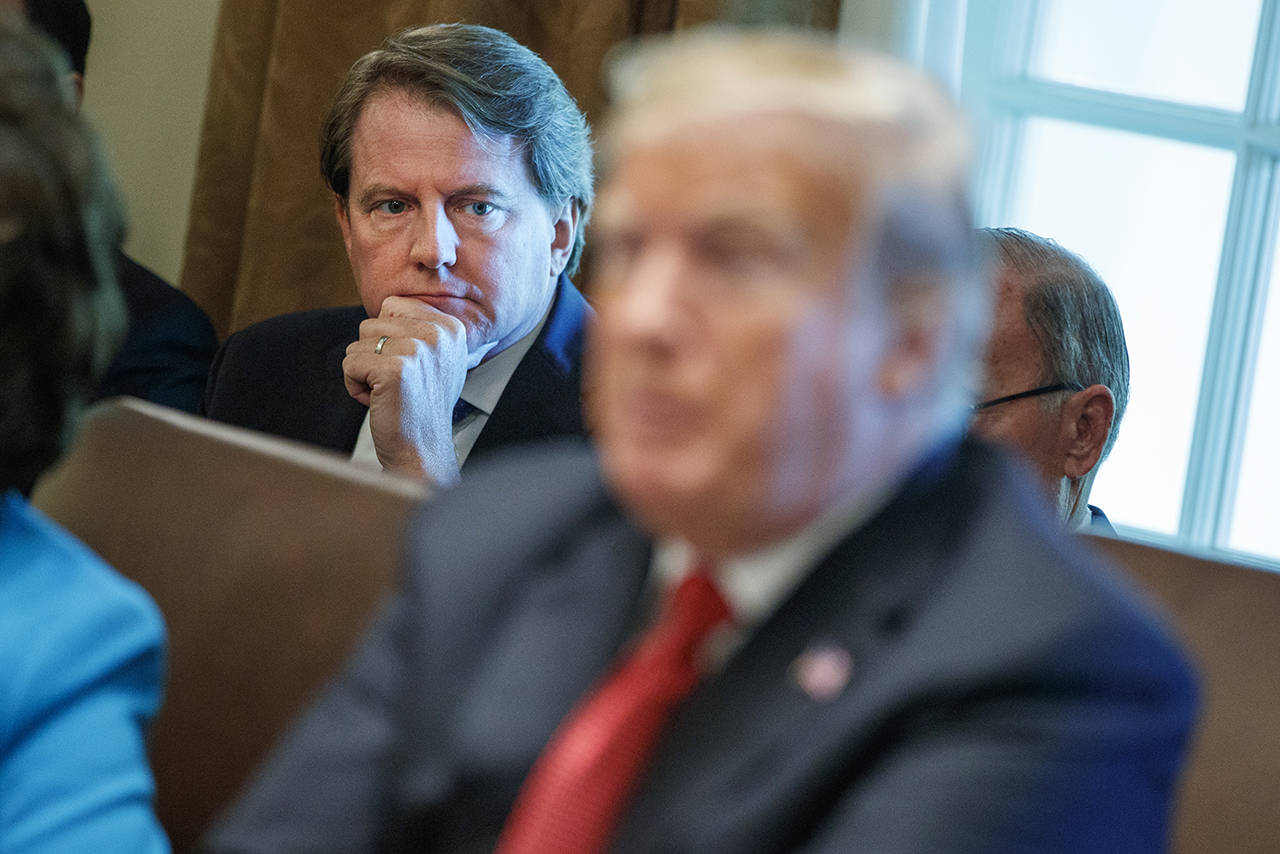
[[1057, 369]]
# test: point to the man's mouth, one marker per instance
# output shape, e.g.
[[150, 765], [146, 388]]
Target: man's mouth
[[657, 415], [447, 303]]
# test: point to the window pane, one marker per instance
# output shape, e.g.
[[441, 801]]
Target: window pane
[[1255, 526], [1188, 51], [1148, 214]]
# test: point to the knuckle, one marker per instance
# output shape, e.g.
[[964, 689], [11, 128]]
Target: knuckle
[[423, 348], [453, 325]]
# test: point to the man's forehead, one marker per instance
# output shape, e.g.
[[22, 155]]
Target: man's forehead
[[1010, 293], [409, 106], [775, 135], [397, 128], [753, 169], [740, 217], [1012, 347]]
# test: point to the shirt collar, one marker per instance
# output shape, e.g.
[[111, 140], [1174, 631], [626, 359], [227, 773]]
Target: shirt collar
[[756, 583], [486, 381]]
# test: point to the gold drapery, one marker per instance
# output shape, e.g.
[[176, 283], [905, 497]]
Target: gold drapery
[[262, 239]]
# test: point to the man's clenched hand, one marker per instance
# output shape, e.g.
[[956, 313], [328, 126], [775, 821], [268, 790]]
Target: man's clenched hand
[[411, 386]]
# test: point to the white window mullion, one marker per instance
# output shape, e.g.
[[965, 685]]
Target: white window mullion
[[931, 37], [993, 185], [997, 45], [1225, 383], [1235, 331], [1183, 122], [1253, 298]]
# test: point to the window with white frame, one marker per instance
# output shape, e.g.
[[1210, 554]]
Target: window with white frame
[[1145, 136]]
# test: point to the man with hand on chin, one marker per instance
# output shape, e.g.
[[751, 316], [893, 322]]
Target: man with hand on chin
[[461, 173]]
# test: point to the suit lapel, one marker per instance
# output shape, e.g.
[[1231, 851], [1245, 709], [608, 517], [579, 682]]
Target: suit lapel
[[544, 396], [566, 622], [338, 414], [753, 733], [505, 640]]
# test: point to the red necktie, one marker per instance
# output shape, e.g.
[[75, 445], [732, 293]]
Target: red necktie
[[576, 792]]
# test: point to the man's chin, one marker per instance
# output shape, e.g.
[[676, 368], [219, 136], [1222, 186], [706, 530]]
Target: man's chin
[[655, 486]]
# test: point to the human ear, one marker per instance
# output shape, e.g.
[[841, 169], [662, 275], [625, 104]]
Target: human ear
[[1086, 423], [565, 229]]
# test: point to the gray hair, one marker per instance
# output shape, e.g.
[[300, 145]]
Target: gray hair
[[496, 85], [1071, 312]]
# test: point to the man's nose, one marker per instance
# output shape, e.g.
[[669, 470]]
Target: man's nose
[[649, 300], [435, 244]]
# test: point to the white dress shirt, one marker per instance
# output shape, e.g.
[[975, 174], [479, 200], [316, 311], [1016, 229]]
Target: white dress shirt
[[756, 583]]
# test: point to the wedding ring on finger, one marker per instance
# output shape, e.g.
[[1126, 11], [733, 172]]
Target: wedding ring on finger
[[377, 348]]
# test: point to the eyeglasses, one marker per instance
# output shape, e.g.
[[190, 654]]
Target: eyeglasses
[[1035, 392]]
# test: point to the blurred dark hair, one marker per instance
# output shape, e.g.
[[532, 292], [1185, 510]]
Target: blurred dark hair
[[61, 313], [496, 85], [65, 21]]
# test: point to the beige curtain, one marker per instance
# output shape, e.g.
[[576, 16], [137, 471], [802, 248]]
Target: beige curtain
[[262, 239]]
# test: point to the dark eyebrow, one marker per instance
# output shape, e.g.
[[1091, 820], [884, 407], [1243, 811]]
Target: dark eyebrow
[[488, 191], [374, 191]]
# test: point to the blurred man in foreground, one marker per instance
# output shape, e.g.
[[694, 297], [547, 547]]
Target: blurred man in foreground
[[461, 177], [1057, 369], [786, 607]]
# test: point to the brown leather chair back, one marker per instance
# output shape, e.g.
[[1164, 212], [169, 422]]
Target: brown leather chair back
[[1229, 618], [267, 559]]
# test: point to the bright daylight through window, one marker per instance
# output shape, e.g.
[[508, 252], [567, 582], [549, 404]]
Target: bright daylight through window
[[1145, 135]]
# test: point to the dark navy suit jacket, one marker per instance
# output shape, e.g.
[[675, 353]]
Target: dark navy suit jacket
[[1099, 523], [166, 353], [284, 376], [1007, 694]]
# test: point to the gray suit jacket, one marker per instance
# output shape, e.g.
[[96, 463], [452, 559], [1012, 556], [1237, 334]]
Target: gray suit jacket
[[1007, 694]]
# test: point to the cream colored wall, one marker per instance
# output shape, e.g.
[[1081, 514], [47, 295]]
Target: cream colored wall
[[146, 77]]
